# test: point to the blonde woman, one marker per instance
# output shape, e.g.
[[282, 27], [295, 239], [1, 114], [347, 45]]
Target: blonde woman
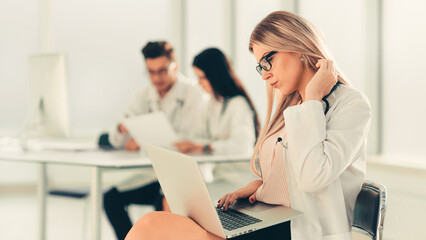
[[312, 151]]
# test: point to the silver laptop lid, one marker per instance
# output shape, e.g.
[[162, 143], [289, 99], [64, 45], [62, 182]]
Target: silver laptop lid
[[187, 195], [176, 172]]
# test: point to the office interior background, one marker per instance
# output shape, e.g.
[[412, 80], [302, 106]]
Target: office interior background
[[378, 44]]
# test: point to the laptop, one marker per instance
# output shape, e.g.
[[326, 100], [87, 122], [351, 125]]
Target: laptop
[[154, 128], [187, 195]]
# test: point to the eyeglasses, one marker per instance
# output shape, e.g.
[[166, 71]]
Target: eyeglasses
[[265, 63], [162, 72]]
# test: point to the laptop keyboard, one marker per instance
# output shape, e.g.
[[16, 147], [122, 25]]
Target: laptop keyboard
[[232, 219]]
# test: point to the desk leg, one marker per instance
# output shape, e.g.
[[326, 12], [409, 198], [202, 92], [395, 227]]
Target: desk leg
[[95, 191], [41, 194]]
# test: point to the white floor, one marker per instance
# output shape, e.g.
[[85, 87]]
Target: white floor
[[66, 218]]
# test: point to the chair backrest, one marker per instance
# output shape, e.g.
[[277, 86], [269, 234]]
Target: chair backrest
[[71, 192], [370, 209]]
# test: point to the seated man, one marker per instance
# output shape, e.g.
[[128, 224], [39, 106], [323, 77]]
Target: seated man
[[169, 92]]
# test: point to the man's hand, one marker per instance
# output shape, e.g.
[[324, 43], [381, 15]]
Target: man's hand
[[189, 147], [121, 128], [131, 145]]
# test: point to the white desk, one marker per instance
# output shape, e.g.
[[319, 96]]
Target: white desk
[[98, 161]]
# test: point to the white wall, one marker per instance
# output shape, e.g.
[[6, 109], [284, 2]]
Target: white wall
[[247, 16], [404, 78], [343, 24], [103, 40], [205, 28], [19, 36]]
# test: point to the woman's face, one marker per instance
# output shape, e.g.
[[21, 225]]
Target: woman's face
[[203, 81], [286, 70]]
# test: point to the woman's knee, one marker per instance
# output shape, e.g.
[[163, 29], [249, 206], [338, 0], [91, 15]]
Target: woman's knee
[[145, 226], [151, 220]]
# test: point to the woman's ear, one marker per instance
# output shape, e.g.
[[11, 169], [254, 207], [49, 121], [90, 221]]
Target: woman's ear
[[304, 60]]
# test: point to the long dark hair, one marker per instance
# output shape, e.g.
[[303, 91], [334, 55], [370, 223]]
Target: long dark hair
[[224, 82]]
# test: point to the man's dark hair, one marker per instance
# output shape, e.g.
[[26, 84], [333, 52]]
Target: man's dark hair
[[158, 49]]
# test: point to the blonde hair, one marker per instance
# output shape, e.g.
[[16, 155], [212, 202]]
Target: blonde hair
[[287, 32]]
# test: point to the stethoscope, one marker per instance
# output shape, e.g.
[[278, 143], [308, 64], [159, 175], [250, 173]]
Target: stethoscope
[[280, 140], [179, 102], [327, 107]]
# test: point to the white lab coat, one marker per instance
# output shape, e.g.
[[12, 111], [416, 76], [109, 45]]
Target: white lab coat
[[181, 105], [325, 162], [228, 125]]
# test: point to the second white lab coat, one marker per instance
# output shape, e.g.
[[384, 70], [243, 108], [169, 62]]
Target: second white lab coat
[[325, 163], [228, 125], [181, 105]]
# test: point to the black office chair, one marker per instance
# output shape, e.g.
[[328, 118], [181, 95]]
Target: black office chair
[[75, 193], [78, 193], [370, 210], [82, 192]]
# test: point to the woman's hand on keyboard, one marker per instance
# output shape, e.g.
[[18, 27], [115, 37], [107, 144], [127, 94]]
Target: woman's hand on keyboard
[[248, 190]]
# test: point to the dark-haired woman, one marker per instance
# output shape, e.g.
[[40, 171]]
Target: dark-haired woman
[[229, 123]]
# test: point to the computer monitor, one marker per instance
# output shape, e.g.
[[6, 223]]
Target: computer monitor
[[48, 110]]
